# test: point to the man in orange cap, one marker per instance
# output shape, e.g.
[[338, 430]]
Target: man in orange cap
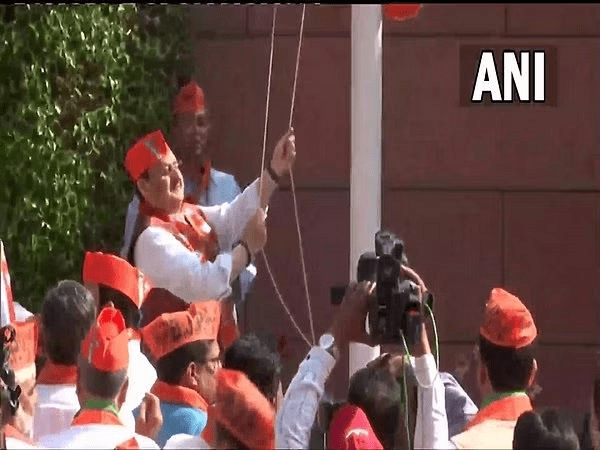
[[192, 253], [113, 280], [67, 306], [260, 364], [183, 348], [203, 184], [102, 387], [241, 417], [506, 369]]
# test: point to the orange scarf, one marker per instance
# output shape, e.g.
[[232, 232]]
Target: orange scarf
[[53, 374], [189, 227], [507, 408], [96, 416], [178, 394], [201, 177]]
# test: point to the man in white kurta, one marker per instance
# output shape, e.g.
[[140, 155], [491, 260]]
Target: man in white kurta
[[204, 185], [102, 387], [192, 253], [112, 279], [67, 306]]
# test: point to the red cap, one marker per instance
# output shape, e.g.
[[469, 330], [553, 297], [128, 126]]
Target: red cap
[[507, 322], [243, 410], [350, 429], [146, 153], [171, 331], [116, 273], [106, 345], [189, 99], [401, 11]]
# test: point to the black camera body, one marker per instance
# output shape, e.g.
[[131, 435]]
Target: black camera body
[[397, 309]]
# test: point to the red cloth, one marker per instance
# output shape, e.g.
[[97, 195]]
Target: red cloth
[[189, 99], [52, 374], [179, 395], [116, 273], [401, 11], [507, 322], [95, 416], [106, 345], [189, 227], [200, 174], [148, 151], [350, 429], [23, 349], [171, 331], [507, 408]]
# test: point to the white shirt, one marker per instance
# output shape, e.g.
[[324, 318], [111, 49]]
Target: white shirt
[[16, 444], [186, 441], [297, 415], [431, 428], [95, 436], [171, 266], [142, 376], [56, 406]]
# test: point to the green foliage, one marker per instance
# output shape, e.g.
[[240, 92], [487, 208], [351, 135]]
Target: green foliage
[[80, 84]]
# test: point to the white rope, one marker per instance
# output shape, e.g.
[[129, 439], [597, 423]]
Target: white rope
[[264, 149], [261, 178], [282, 302], [308, 302]]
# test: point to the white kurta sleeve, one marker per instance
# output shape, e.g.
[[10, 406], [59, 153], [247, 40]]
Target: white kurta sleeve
[[301, 401], [170, 265], [431, 429], [229, 219]]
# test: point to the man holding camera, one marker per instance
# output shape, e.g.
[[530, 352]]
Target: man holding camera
[[301, 401]]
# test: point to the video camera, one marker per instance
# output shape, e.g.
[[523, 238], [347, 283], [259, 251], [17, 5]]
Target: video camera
[[397, 310]]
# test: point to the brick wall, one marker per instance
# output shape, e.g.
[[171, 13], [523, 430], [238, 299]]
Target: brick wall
[[483, 196]]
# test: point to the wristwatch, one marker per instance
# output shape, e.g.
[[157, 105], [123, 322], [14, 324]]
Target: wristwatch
[[327, 343], [248, 253]]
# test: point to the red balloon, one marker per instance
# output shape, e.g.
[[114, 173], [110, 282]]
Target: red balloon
[[401, 11]]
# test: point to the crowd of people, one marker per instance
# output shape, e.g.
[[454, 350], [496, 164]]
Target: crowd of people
[[145, 350]]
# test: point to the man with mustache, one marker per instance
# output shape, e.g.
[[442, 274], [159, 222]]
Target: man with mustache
[[188, 252]]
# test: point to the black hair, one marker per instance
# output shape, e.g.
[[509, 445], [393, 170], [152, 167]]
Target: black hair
[[509, 369], [100, 384], [67, 306], [171, 367], [378, 394], [253, 357], [124, 304], [550, 430]]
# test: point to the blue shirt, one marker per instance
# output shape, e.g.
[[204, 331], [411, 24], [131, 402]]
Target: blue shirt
[[178, 419]]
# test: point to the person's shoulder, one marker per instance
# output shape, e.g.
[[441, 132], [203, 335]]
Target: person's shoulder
[[145, 442], [222, 178], [185, 441]]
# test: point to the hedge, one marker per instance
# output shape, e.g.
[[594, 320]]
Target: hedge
[[80, 84]]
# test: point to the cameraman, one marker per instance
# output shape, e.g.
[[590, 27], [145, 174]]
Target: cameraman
[[297, 415], [376, 422]]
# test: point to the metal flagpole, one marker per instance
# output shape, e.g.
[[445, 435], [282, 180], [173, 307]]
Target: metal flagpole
[[365, 142]]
